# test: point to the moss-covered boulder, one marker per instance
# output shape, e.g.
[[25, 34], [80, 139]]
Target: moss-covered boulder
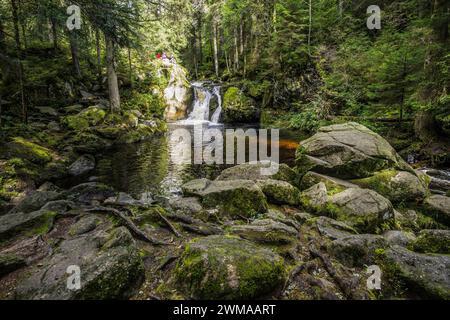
[[238, 108], [266, 231], [432, 241], [28, 150], [10, 263], [414, 274], [35, 201], [312, 178], [237, 198], [224, 267], [280, 192], [438, 207], [256, 171], [348, 151], [87, 118], [397, 186], [109, 262], [18, 224], [363, 209]]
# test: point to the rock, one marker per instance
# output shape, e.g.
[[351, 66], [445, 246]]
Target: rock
[[333, 229], [73, 109], [348, 151], [89, 192], [238, 198], [48, 186], [48, 111], [17, 224], [82, 165], [53, 126], [178, 93], [85, 224], [24, 149], [278, 216], [224, 267], [397, 186], [302, 217], [87, 118], [399, 238], [439, 208], [10, 263], [186, 205], [85, 142], [315, 197], [109, 262], [266, 231], [124, 199], [35, 201], [312, 178], [238, 108], [358, 250], [252, 171], [429, 275], [432, 241], [279, 192], [59, 206]]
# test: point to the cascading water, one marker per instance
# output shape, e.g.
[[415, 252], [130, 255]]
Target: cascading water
[[203, 96]]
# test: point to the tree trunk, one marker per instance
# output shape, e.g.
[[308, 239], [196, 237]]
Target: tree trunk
[[74, 52], [99, 56], [216, 51], [130, 67], [16, 24], [2, 37], [113, 84], [310, 27], [236, 50]]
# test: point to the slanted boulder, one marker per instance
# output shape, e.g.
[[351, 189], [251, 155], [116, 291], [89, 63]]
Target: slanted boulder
[[82, 165], [348, 151], [224, 267], [399, 238], [237, 198], [28, 150], [266, 231], [333, 229], [89, 192], [17, 224], [35, 201], [312, 178]]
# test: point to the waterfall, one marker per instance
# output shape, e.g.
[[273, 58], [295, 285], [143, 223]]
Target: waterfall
[[204, 94], [216, 116]]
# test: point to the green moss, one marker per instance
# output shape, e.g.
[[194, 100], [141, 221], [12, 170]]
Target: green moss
[[379, 182], [90, 117], [25, 149], [427, 242], [237, 107], [44, 225]]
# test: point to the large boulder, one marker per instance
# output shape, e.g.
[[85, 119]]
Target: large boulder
[[397, 186], [266, 231], [224, 267], [312, 178], [399, 238], [28, 150], [35, 201], [438, 206], [254, 171], [348, 151], [363, 209], [237, 198], [109, 262], [333, 229], [177, 94], [429, 275], [89, 192]]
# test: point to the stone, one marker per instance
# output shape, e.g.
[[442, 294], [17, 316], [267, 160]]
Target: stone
[[48, 111], [280, 192], [312, 178], [252, 171], [17, 224], [429, 275], [432, 241], [35, 201], [82, 165], [348, 151], [186, 205], [438, 207], [237, 198], [333, 229], [224, 267], [399, 238], [266, 231], [25, 149], [10, 263], [397, 186], [238, 108], [89, 192], [59, 206], [315, 197], [109, 262], [358, 250]]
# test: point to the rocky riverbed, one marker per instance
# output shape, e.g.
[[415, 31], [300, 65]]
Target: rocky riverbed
[[309, 232]]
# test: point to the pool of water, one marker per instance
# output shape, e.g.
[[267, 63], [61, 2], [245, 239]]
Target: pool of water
[[151, 166]]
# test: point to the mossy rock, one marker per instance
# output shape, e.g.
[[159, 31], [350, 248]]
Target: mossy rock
[[10, 263], [432, 241], [266, 231], [280, 192], [224, 267], [25, 149], [238, 108], [438, 207], [397, 186], [90, 117], [17, 224]]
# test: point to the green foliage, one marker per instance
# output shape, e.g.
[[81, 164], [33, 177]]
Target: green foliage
[[305, 121]]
